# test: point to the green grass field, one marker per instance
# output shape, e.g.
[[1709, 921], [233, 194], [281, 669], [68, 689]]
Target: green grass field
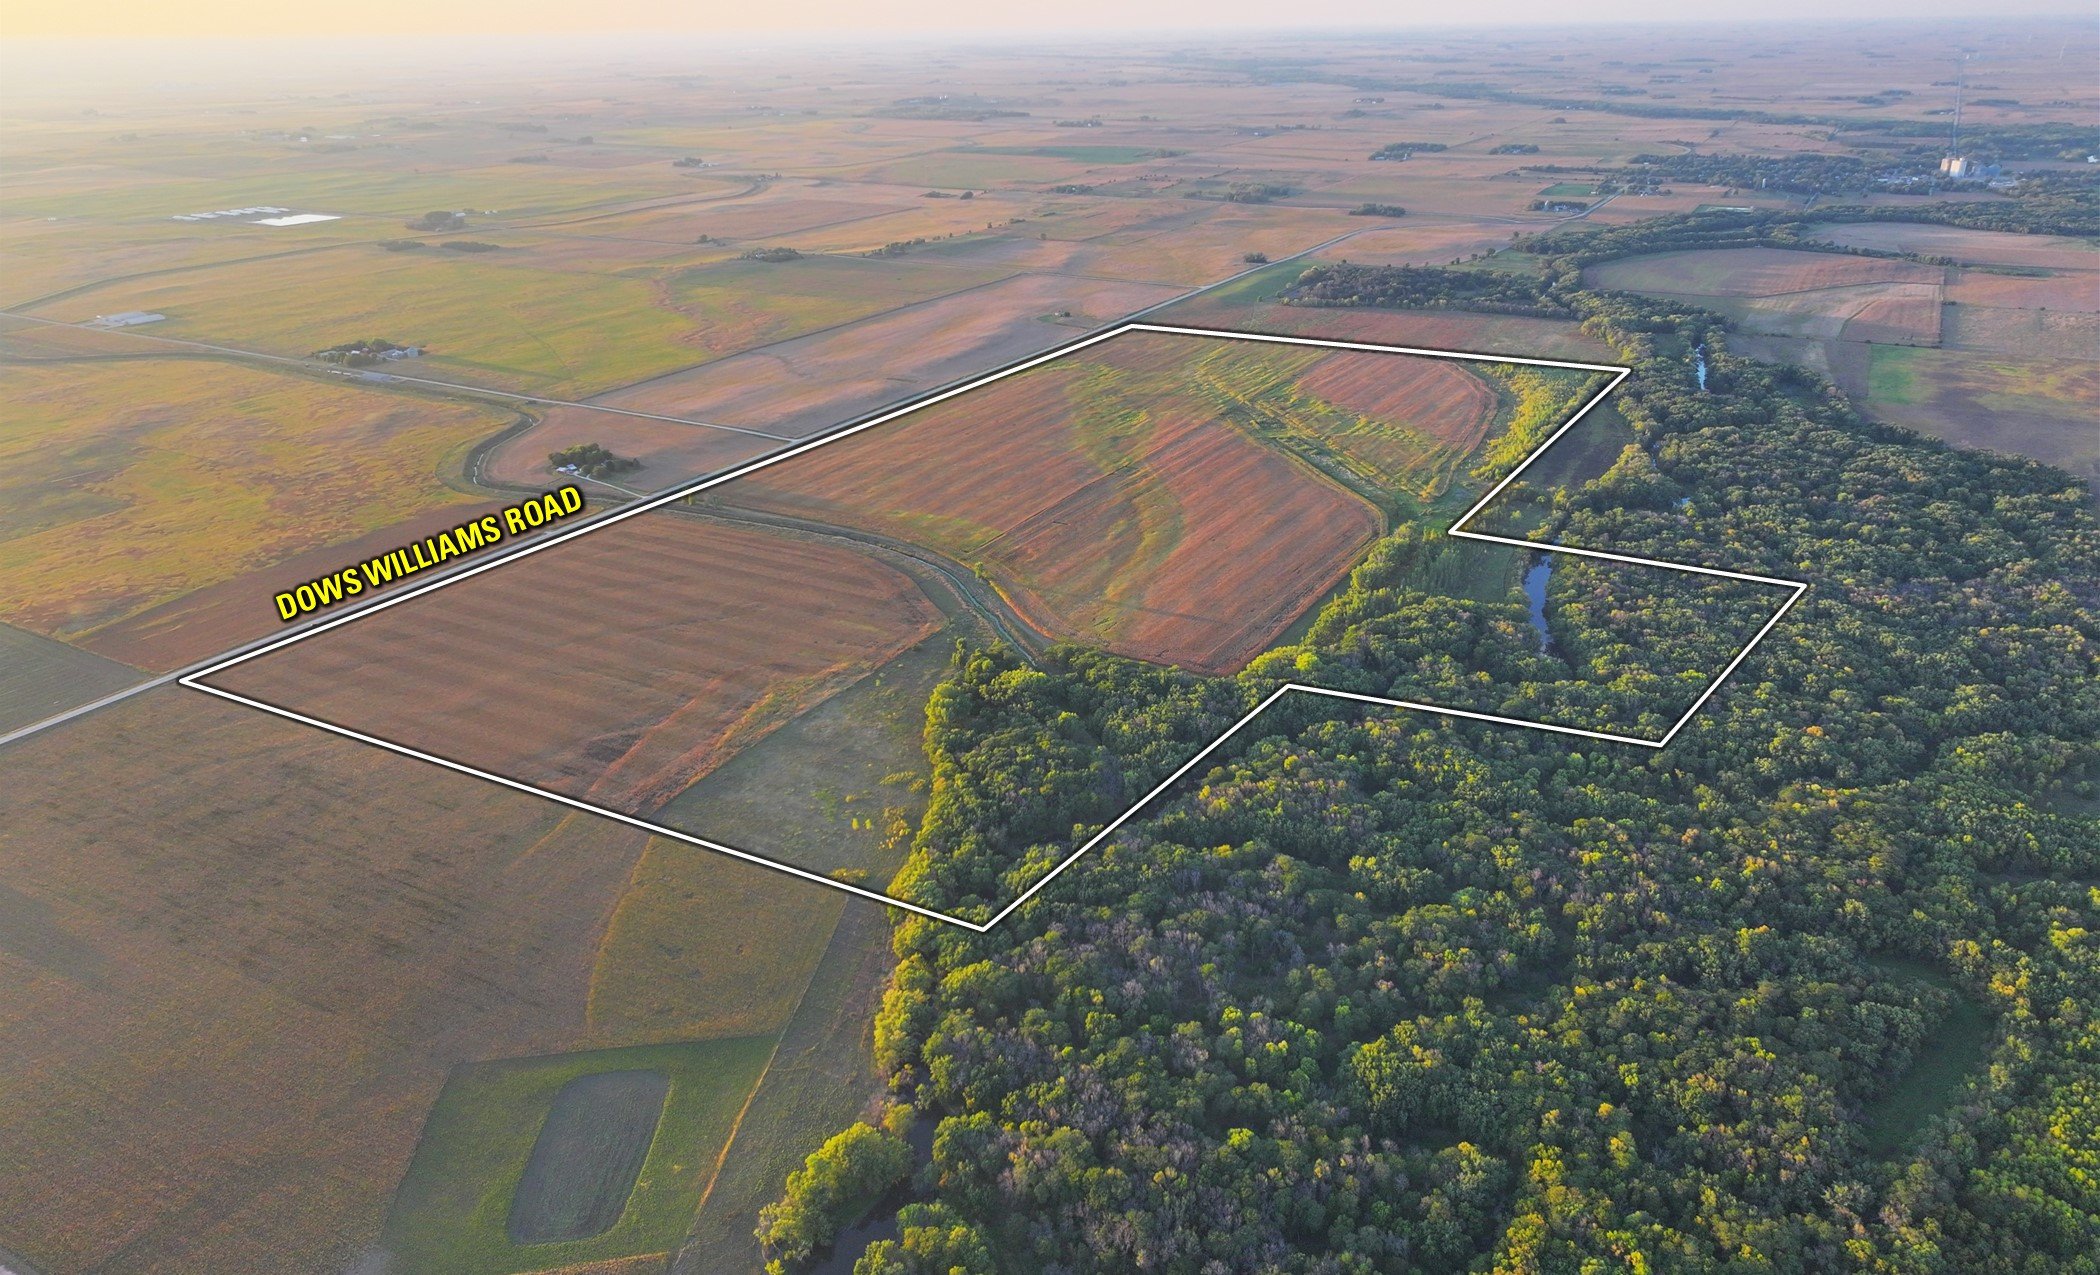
[[1894, 375], [2035, 407], [588, 1156], [822, 1079], [1566, 190], [1960, 1045], [452, 1211], [1583, 453], [816, 791], [1260, 287]]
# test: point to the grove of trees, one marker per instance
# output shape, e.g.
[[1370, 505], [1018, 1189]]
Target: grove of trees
[[1388, 992]]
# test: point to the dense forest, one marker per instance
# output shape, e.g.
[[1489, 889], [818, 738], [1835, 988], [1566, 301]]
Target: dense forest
[[1423, 288], [1814, 988], [1803, 174]]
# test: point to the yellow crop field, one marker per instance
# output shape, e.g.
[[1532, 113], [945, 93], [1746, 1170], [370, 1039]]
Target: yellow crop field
[[135, 482]]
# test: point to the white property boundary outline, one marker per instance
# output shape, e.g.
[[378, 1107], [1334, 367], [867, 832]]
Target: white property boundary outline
[[680, 491]]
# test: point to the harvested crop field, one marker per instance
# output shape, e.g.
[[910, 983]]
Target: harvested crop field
[[619, 667], [2075, 290], [1398, 424], [1209, 242], [1416, 242], [1780, 292], [738, 305], [220, 616], [267, 945], [1105, 496], [490, 319], [1982, 247], [1486, 334], [760, 216], [668, 451], [1894, 313], [40, 677], [811, 383], [1909, 319], [2041, 408], [1752, 272], [2048, 334]]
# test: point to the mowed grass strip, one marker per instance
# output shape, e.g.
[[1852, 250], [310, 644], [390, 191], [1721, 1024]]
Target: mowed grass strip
[[454, 1210], [588, 1156], [1402, 424]]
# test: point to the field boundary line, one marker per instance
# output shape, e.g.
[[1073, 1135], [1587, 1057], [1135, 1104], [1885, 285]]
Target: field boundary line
[[680, 491]]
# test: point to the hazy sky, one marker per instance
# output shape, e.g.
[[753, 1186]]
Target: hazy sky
[[209, 18]]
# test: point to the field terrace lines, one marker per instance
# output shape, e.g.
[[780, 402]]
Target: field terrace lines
[[1408, 422], [565, 570], [1435, 398], [1104, 499]]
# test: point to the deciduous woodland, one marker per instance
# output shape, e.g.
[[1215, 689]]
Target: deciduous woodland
[[1812, 989]]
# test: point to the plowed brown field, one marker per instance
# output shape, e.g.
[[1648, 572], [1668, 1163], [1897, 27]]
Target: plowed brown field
[[619, 667], [2077, 290], [1895, 320]]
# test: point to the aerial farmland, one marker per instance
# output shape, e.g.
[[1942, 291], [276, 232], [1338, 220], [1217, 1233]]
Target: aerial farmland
[[1167, 645]]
